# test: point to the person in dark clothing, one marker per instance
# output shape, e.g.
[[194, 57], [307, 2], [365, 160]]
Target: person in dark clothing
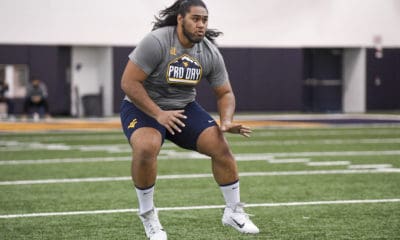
[[5, 99], [36, 98]]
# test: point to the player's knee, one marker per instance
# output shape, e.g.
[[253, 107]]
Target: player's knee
[[222, 153], [146, 150], [211, 142]]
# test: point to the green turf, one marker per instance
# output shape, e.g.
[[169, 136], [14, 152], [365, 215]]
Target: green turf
[[342, 221], [365, 221]]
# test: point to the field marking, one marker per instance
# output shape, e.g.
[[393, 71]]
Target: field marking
[[117, 134], [188, 208], [316, 142], [11, 146], [336, 132], [171, 154], [330, 163], [286, 160], [369, 166], [65, 160], [202, 175]]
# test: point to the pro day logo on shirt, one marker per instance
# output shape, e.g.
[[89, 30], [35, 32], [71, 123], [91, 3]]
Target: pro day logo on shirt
[[184, 70]]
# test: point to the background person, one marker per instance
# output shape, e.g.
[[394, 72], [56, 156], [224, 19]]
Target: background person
[[36, 98], [5, 99]]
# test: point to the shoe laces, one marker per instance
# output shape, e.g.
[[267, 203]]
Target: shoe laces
[[151, 222], [238, 210]]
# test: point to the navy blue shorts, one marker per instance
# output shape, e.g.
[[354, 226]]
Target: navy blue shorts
[[197, 120]]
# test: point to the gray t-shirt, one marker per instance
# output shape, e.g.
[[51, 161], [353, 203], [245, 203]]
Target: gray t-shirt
[[174, 71]]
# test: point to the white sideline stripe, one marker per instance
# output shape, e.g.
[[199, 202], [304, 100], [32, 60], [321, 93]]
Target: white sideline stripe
[[336, 132], [338, 153], [196, 156], [328, 163], [289, 160], [370, 166], [8, 146], [316, 142], [117, 135], [205, 175], [335, 202], [65, 160], [65, 180]]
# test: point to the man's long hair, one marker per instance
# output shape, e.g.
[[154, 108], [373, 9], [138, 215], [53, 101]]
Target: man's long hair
[[168, 16]]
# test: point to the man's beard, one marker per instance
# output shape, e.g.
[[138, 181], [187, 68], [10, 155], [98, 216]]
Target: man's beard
[[192, 37]]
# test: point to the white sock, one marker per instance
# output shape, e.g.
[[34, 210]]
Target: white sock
[[231, 194], [145, 198]]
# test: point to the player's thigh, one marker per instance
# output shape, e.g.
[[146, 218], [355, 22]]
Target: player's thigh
[[143, 132], [212, 142], [197, 121]]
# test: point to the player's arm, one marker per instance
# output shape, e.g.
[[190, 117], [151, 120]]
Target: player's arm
[[226, 107], [132, 85]]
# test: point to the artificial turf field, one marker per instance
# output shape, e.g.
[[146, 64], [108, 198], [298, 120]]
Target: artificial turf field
[[299, 183]]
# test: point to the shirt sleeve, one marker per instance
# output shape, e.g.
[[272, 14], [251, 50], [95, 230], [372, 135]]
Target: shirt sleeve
[[218, 75], [44, 90], [147, 54]]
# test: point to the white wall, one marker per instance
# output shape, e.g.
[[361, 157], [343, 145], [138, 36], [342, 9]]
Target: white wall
[[354, 80], [253, 23], [91, 73], [106, 68]]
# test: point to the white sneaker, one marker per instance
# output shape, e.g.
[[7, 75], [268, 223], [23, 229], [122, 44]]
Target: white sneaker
[[152, 226], [239, 220]]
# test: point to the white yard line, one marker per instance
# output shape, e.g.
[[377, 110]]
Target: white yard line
[[80, 136], [289, 160], [316, 142], [336, 132], [325, 116], [13, 146], [171, 154], [189, 208], [203, 175], [65, 160], [116, 135], [328, 163], [370, 166], [337, 153], [7, 146]]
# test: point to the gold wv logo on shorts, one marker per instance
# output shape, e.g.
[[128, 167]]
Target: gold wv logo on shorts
[[133, 123]]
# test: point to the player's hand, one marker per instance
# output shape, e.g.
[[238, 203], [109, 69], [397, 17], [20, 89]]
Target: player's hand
[[171, 120], [235, 128]]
